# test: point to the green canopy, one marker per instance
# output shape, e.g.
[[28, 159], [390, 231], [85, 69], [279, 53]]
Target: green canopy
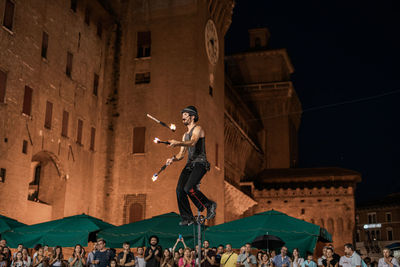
[[66, 232], [6, 224], [165, 226], [294, 232]]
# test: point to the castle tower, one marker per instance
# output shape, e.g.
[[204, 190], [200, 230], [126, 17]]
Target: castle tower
[[171, 57]]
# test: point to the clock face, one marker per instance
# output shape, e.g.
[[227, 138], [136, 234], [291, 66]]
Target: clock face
[[211, 39]]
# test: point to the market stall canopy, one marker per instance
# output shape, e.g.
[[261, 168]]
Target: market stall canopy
[[165, 226], [294, 232], [7, 224], [66, 232]]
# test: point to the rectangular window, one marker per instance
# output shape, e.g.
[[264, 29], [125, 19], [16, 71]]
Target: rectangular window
[[95, 84], [138, 139], [9, 15], [143, 44], [390, 235], [216, 156], [99, 29], [388, 216], [45, 44], [2, 175], [25, 147], [64, 129], [27, 106], [92, 138], [49, 115], [74, 4], [372, 217], [87, 16], [79, 132], [68, 69], [142, 78], [3, 82]]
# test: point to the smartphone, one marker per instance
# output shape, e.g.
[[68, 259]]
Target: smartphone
[[180, 236]]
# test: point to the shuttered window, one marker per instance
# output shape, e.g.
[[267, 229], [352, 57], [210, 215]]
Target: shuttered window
[[138, 139], [92, 138], [68, 69], [79, 132], [49, 115], [143, 44], [95, 84], [27, 105], [45, 44], [64, 129], [9, 15], [3, 82]]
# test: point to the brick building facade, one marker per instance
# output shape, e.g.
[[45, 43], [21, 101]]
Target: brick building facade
[[378, 225]]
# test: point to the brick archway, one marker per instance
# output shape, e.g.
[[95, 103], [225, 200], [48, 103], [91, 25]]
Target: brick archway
[[46, 156]]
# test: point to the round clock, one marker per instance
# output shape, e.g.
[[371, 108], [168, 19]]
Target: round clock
[[211, 40]]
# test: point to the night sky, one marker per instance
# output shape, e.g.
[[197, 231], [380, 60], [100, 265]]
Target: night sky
[[346, 56]]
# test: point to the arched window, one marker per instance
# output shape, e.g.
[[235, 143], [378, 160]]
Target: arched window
[[135, 212]]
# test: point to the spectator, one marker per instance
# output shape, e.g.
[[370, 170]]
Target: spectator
[[265, 260], [152, 255], [330, 261], [26, 258], [368, 262], [188, 258], [246, 259], [180, 250], [167, 260], [229, 258], [208, 255], [7, 256], [335, 255], [220, 251], [297, 261], [40, 260], [309, 261], [273, 254], [102, 256], [282, 260], [3, 243], [18, 260], [126, 257], [139, 259], [90, 257], [387, 260], [56, 258], [78, 257], [259, 257], [46, 251], [36, 248], [19, 249], [323, 257], [350, 258], [3, 263], [177, 256], [113, 263]]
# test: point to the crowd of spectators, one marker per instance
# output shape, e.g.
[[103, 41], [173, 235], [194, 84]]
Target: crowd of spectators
[[155, 256]]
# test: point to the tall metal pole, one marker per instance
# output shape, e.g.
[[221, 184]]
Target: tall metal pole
[[199, 223]]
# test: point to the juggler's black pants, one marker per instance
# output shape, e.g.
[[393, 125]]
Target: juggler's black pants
[[188, 186]]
